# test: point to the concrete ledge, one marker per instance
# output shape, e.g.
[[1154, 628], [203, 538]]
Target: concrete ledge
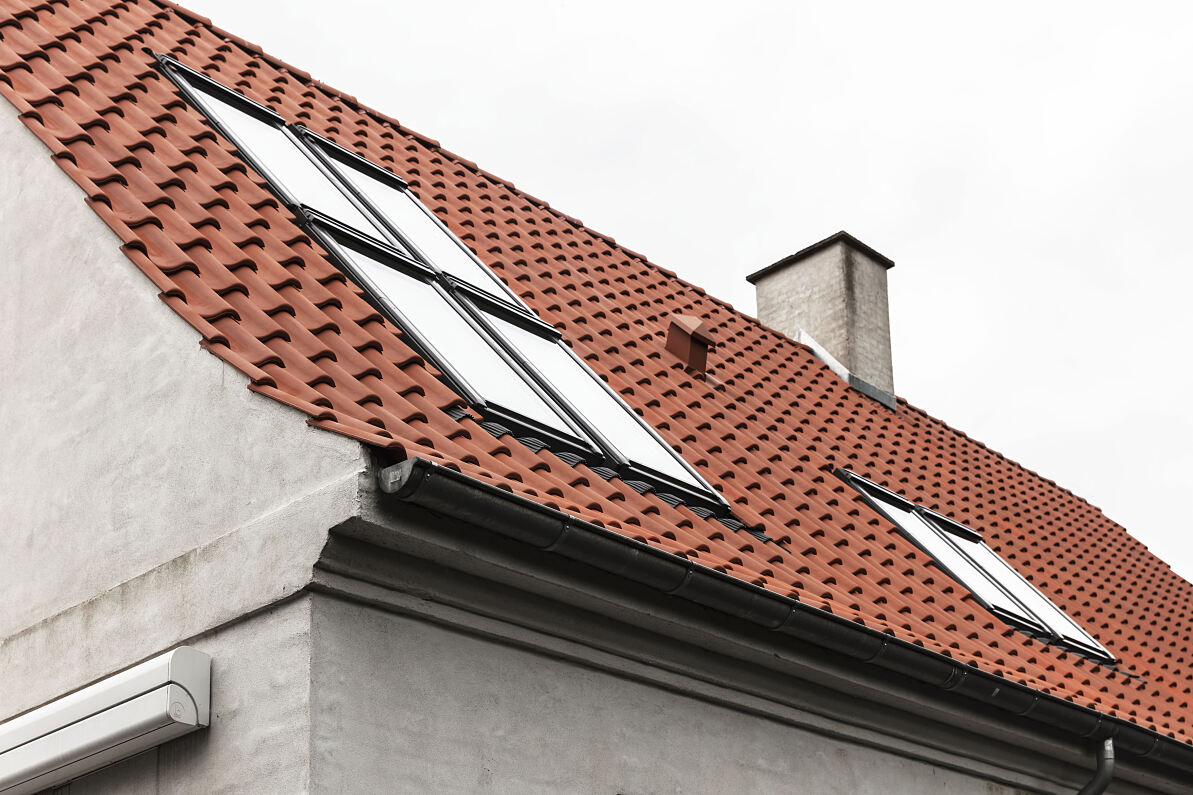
[[426, 565]]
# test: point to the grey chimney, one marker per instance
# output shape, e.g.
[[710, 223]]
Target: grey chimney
[[832, 296]]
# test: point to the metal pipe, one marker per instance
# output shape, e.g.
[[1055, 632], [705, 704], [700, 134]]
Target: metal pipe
[[1101, 780]]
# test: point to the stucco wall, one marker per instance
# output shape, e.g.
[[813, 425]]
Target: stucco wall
[[124, 444], [146, 495], [402, 705], [259, 739]]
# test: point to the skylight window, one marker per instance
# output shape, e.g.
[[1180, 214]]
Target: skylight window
[[450, 338], [950, 558], [276, 154], [568, 376], [413, 223], [961, 553], [488, 344]]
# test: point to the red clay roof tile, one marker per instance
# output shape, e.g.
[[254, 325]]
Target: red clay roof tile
[[766, 426]]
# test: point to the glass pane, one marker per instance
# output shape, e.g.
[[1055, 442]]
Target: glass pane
[[461, 347], [286, 163], [948, 557], [439, 245], [604, 411], [1033, 600]]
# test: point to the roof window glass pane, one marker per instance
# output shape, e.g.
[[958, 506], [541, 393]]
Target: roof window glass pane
[[599, 407], [983, 571], [948, 557], [286, 164], [1033, 600], [437, 244], [460, 346]]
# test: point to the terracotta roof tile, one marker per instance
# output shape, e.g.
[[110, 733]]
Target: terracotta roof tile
[[767, 426]]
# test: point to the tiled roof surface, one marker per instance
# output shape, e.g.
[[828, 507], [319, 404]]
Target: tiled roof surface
[[767, 428]]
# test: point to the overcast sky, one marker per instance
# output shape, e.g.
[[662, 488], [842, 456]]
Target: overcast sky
[[1029, 171]]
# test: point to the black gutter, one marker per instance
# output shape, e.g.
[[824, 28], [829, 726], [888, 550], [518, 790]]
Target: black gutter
[[460, 497]]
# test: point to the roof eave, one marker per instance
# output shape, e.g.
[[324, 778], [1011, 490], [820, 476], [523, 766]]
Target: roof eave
[[446, 492]]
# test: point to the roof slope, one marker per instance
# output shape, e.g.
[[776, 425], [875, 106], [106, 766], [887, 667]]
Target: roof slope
[[767, 429]]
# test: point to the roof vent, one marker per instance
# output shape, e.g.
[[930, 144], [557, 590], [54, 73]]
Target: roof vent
[[688, 339], [832, 296]]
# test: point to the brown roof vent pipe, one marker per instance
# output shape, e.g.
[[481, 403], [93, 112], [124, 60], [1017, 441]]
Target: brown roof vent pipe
[[688, 339]]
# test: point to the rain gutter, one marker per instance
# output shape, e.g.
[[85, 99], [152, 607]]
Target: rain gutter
[[447, 492]]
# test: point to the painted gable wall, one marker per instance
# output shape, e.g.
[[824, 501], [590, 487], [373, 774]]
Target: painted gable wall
[[147, 495]]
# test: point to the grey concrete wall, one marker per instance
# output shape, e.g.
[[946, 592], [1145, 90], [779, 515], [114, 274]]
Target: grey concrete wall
[[401, 705], [259, 738], [146, 495], [838, 295]]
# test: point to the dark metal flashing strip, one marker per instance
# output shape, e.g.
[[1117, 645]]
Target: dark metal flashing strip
[[445, 491], [871, 391]]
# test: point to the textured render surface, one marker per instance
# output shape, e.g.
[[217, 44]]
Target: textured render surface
[[259, 738], [400, 705], [211, 586], [125, 444], [767, 428], [838, 295]]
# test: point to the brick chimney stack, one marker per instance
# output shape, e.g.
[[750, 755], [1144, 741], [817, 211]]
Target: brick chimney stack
[[832, 296]]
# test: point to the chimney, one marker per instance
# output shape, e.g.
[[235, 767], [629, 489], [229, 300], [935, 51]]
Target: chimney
[[832, 297]]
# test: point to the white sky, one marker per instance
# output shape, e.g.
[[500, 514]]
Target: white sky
[[1029, 171]]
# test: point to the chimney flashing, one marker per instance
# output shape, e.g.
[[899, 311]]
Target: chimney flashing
[[804, 253], [861, 385]]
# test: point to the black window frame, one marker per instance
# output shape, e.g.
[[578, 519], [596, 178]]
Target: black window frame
[[335, 236], [626, 468], [328, 151], [393, 248], [186, 79], [1029, 623]]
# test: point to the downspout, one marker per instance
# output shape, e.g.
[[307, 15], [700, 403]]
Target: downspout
[[1101, 780]]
